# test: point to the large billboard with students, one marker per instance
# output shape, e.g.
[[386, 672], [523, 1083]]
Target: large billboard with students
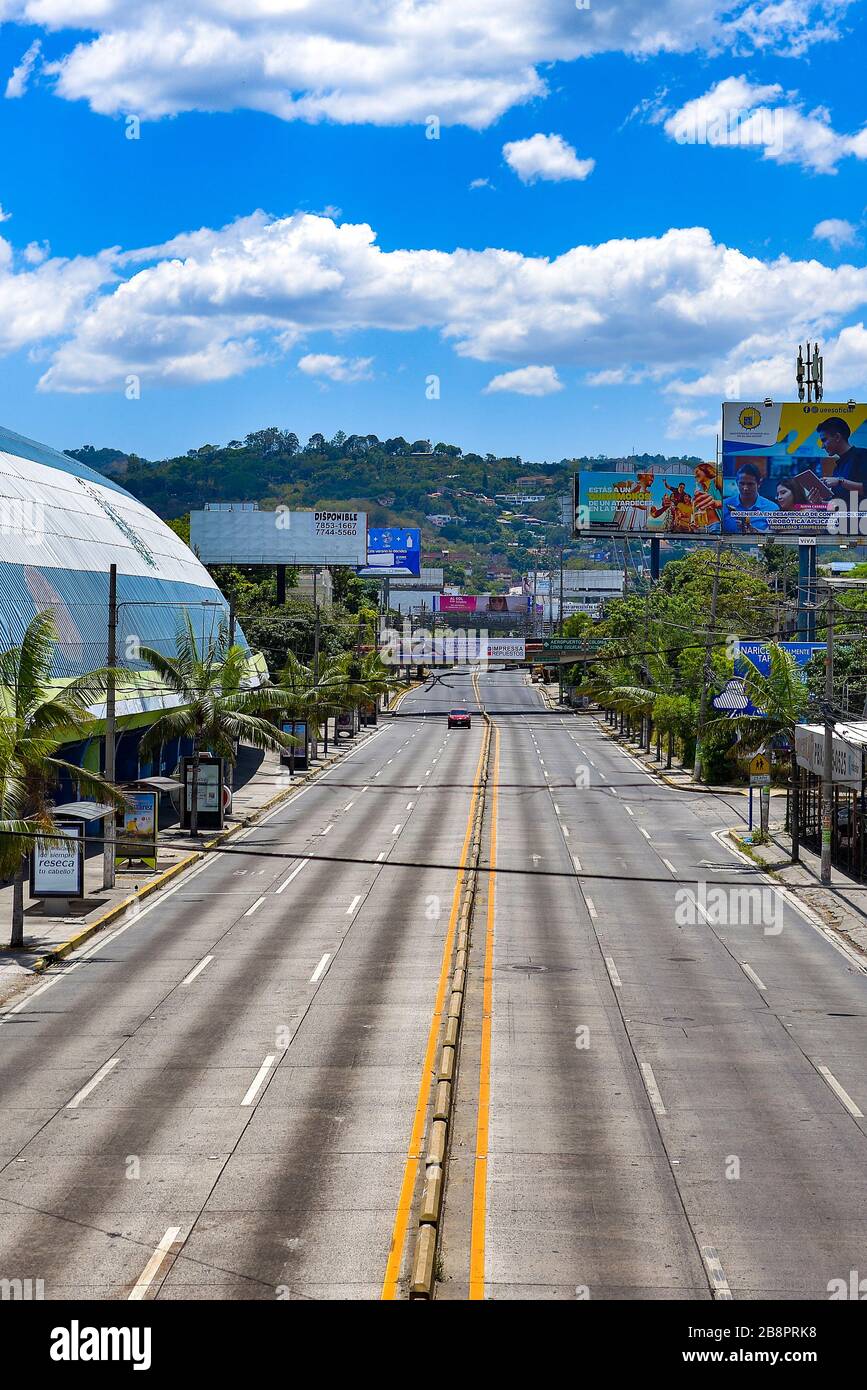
[[794, 469]]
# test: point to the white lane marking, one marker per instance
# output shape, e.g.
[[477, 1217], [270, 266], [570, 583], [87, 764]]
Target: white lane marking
[[136, 914], [258, 1079], [255, 908], [612, 971], [294, 874], [652, 1088], [320, 967], [613, 791], [197, 969], [396, 830], [852, 956], [327, 828], [590, 907], [349, 805], [566, 831], [92, 1083], [671, 869], [547, 775], [629, 811], [154, 1265], [752, 975], [840, 1093], [556, 808], [645, 833], [602, 775], [719, 1283], [353, 905], [590, 761], [427, 774], [577, 862], [409, 805], [382, 855], [418, 788], [378, 774]]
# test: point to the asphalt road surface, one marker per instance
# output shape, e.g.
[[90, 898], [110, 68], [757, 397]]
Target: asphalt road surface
[[677, 1074], [224, 1097]]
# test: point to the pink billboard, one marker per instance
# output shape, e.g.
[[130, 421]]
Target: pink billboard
[[457, 603]]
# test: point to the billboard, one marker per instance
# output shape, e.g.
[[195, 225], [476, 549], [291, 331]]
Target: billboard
[[484, 603], [794, 469], [392, 551], [756, 653], [57, 867], [647, 503], [137, 829], [281, 537], [421, 647]]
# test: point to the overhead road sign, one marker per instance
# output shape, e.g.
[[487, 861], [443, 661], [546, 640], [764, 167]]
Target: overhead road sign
[[242, 537], [450, 649]]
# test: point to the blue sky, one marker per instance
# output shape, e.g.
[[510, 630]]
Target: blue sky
[[213, 330]]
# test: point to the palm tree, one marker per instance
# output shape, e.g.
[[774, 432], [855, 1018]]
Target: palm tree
[[216, 708], [783, 698], [37, 719]]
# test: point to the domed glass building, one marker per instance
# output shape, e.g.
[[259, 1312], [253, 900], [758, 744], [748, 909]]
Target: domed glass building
[[62, 525]]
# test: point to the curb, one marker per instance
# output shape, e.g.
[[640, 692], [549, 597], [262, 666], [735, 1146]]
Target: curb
[[74, 942], [424, 1259]]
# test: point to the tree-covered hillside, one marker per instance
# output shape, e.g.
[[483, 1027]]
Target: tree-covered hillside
[[395, 480]]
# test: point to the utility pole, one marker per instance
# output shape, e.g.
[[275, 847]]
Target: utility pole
[[316, 667], [828, 761], [698, 771], [108, 876]]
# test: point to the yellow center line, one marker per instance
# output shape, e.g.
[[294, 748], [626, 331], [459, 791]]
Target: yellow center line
[[480, 1168], [407, 1187]]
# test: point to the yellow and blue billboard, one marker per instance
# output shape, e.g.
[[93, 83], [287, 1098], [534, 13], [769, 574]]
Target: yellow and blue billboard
[[794, 469]]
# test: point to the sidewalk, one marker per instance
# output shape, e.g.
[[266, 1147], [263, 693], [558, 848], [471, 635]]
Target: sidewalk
[[49, 936]]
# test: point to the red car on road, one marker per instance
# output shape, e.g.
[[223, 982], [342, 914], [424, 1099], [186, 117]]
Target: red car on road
[[459, 719]]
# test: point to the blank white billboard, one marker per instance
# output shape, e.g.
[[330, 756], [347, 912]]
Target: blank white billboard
[[282, 537]]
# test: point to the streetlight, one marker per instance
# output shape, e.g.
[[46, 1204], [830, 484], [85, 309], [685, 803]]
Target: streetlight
[[108, 865]]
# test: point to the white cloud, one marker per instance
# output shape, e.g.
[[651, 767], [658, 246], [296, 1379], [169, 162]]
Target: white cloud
[[545, 157], [20, 78], [527, 381], [679, 310], [837, 232], [43, 302], [36, 252], [735, 113], [481, 183], [4, 215], [336, 368], [685, 423], [381, 61]]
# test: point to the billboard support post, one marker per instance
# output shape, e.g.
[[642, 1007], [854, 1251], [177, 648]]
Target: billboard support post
[[828, 766], [698, 770], [807, 592], [108, 864], [654, 558]]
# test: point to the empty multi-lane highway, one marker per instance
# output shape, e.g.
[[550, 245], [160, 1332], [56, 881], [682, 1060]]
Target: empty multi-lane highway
[[228, 1096]]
